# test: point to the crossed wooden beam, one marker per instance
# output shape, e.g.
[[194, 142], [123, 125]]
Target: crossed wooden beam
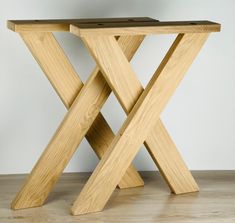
[[112, 43]]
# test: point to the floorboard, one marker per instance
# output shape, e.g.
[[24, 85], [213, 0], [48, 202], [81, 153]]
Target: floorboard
[[153, 203]]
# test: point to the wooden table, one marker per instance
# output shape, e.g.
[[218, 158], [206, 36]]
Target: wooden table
[[112, 43]]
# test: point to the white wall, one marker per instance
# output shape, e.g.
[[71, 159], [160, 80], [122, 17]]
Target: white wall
[[200, 117]]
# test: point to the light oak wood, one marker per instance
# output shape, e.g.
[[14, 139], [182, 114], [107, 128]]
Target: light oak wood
[[140, 121], [55, 65], [144, 28], [63, 144], [47, 60], [113, 26], [63, 24], [128, 89], [61, 74], [75, 125], [143, 106], [148, 204], [169, 161]]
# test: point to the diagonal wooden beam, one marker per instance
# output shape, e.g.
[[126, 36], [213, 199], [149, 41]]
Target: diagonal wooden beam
[[64, 79], [128, 89], [61, 74], [142, 117]]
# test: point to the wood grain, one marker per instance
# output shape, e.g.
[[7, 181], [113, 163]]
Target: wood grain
[[149, 204], [55, 65], [61, 74], [128, 89], [113, 26], [144, 28], [63, 24], [140, 121], [63, 144]]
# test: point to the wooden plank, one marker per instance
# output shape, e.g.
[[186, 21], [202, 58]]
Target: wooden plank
[[67, 83], [63, 144], [55, 65], [113, 26], [63, 24], [61, 148], [61, 74], [142, 117], [169, 161], [150, 204], [128, 89], [144, 28]]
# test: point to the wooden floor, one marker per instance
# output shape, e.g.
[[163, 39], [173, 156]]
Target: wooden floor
[[152, 203]]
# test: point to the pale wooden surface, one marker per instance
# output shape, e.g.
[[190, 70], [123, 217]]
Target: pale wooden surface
[[113, 26], [63, 24], [69, 134], [92, 199], [63, 144], [215, 203], [162, 149], [66, 82], [140, 121], [144, 28]]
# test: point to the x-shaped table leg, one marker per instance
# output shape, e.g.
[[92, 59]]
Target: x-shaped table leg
[[45, 174], [128, 89], [142, 118], [66, 82]]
